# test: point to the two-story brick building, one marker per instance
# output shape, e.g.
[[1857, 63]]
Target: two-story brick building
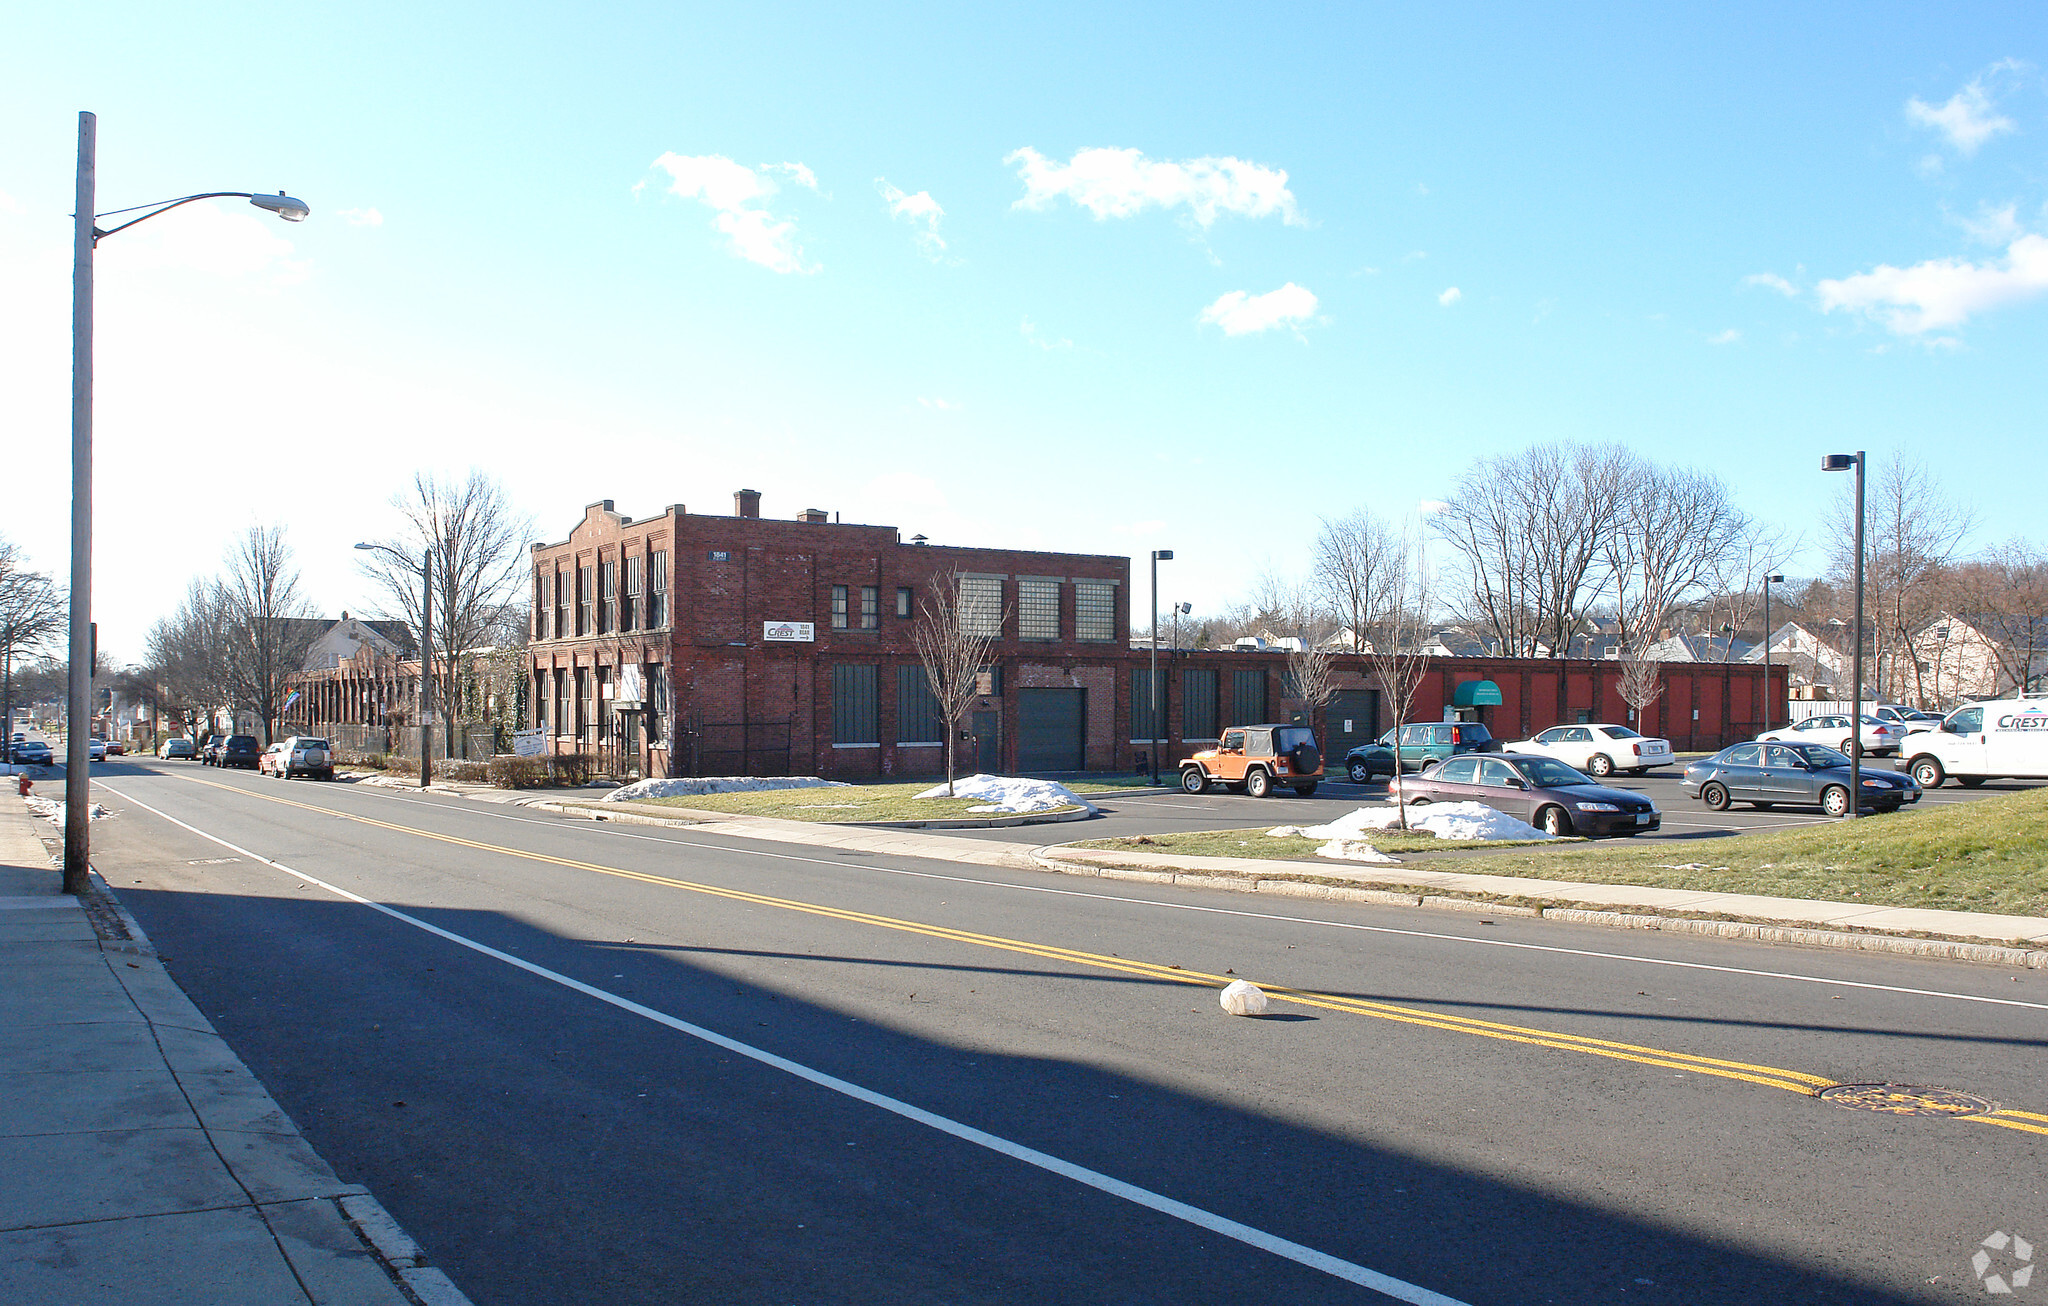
[[734, 644]]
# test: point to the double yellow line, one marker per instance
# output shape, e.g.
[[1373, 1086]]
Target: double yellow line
[[1769, 1076]]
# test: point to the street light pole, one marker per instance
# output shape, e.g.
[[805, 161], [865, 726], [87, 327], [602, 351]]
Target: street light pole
[[426, 648], [78, 676], [1768, 582], [1842, 462], [1158, 726]]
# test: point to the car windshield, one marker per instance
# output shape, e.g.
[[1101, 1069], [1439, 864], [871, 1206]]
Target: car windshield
[[1620, 732], [1822, 755], [1550, 773]]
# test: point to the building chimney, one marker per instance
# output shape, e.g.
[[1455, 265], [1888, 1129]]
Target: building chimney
[[746, 503], [815, 516]]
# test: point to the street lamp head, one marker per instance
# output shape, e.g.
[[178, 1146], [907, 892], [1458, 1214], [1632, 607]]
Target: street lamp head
[[1774, 580], [366, 546], [1162, 555], [1838, 462], [283, 205]]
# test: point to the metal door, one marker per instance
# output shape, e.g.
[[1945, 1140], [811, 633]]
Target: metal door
[[988, 742], [1352, 718], [1049, 730]]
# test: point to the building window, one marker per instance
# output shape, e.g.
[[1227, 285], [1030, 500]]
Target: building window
[[917, 708], [1038, 609], [870, 607], [1144, 724], [561, 605], [839, 607], [1095, 611], [629, 613], [657, 588], [583, 600], [1198, 703], [607, 596], [903, 600], [981, 605], [1248, 696], [562, 723], [853, 705], [540, 603], [586, 714]]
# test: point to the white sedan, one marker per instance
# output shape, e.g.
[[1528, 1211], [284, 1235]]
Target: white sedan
[[1879, 737], [1599, 750]]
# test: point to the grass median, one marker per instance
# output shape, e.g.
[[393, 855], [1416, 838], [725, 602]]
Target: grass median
[[856, 804], [1988, 856]]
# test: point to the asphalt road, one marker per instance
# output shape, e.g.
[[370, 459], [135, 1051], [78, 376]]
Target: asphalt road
[[602, 1064], [1174, 812]]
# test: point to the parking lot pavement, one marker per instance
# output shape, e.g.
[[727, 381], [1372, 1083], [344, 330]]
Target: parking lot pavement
[[1174, 812]]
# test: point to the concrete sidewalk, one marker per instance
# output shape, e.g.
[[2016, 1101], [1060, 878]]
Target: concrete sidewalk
[[140, 1161], [2017, 941]]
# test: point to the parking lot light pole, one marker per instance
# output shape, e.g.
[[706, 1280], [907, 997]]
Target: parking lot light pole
[[1768, 582], [426, 647], [1842, 462], [1158, 726], [86, 235]]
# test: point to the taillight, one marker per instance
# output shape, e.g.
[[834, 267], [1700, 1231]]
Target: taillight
[[1638, 748]]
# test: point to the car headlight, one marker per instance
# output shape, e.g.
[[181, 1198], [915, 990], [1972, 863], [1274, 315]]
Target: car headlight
[[1596, 807], [1877, 784]]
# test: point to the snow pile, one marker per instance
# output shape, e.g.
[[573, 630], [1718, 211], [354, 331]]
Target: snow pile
[[1444, 820], [718, 784], [1010, 794], [1354, 850], [51, 810]]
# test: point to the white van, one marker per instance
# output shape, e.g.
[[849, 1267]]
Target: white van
[[2007, 738]]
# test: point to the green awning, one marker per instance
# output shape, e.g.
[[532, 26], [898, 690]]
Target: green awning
[[1476, 693]]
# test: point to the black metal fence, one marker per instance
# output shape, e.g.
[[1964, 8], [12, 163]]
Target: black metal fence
[[472, 741], [735, 748]]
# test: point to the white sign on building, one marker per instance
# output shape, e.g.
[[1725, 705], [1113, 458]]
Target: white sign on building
[[789, 632]]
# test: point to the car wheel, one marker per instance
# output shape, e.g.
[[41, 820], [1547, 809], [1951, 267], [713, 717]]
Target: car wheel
[[1715, 796], [1969, 781], [1258, 784], [1194, 779], [1305, 791], [1360, 773], [1553, 821], [1927, 772], [1834, 800], [1599, 765]]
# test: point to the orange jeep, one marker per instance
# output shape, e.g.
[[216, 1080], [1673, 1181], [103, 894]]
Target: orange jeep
[[1255, 758]]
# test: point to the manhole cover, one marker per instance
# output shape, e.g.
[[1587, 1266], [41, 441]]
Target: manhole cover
[[1906, 1100]]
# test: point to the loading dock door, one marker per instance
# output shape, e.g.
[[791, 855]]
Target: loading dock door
[[1353, 716], [1049, 730]]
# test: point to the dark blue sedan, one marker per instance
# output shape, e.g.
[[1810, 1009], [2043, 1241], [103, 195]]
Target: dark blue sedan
[[1793, 775], [32, 752]]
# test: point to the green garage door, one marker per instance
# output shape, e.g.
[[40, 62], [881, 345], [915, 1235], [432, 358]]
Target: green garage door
[[1049, 730]]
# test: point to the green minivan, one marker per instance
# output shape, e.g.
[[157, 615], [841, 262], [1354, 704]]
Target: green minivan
[[1425, 743]]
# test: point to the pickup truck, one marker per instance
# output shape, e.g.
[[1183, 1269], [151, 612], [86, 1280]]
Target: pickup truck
[[1256, 758]]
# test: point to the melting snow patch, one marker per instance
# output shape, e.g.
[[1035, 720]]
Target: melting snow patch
[[1011, 794], [1444, 820], [51, 810], [1354, 850], [723, 784]]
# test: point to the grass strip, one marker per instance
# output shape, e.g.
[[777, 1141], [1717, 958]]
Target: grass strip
[[852, 804]]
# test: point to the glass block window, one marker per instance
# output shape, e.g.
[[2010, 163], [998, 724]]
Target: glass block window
[[657, 588], [1094, 610], [917, 708], [981, 605], [1038, 609], [1198, 703], [853, 705], [839, 607], [870, 607]]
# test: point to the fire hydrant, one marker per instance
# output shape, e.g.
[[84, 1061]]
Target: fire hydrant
[[21, 778]]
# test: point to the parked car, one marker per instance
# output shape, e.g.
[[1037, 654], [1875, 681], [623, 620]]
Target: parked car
[[1912, 718], [1255, 758], [176, 748], [239, 750], [1424, 743], [2002, 738], [1880, 738], [116, 748], [1599, 750], [1542, 791], [96, 750], [1364, 762], [298, 755], [1800, 775], [33, 752]]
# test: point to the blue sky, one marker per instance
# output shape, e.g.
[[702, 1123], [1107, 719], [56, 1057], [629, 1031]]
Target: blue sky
[[1099, 318]]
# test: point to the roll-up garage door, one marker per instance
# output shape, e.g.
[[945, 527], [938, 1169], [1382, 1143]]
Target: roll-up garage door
[[1049, 730]]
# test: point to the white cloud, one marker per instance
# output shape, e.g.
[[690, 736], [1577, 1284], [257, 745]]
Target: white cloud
[[361, 217], [9, 204], [1994, 226], [1771, 281], [1240, 313], [735, 193], [922, 212], [1121, 183], [1450, 296], [1728, 337], [1941, 293], [941, 405], [1967, 119], [1033, 336]]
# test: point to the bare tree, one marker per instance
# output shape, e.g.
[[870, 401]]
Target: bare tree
[[1912, 533], [32, 616], [1755, 549], [1399, 626], [2004, 595], [476, 546], [953, 634], [1671, 536], [1354, 558], [185, 655], [1642, 680], [269, 628]]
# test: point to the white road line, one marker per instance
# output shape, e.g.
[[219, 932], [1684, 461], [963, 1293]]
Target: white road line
[[1398, 1289], [618, 832]]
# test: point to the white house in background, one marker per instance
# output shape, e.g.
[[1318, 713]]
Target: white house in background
[[1979, 655], [1698, 648], [1812, 660], [346, 637]]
